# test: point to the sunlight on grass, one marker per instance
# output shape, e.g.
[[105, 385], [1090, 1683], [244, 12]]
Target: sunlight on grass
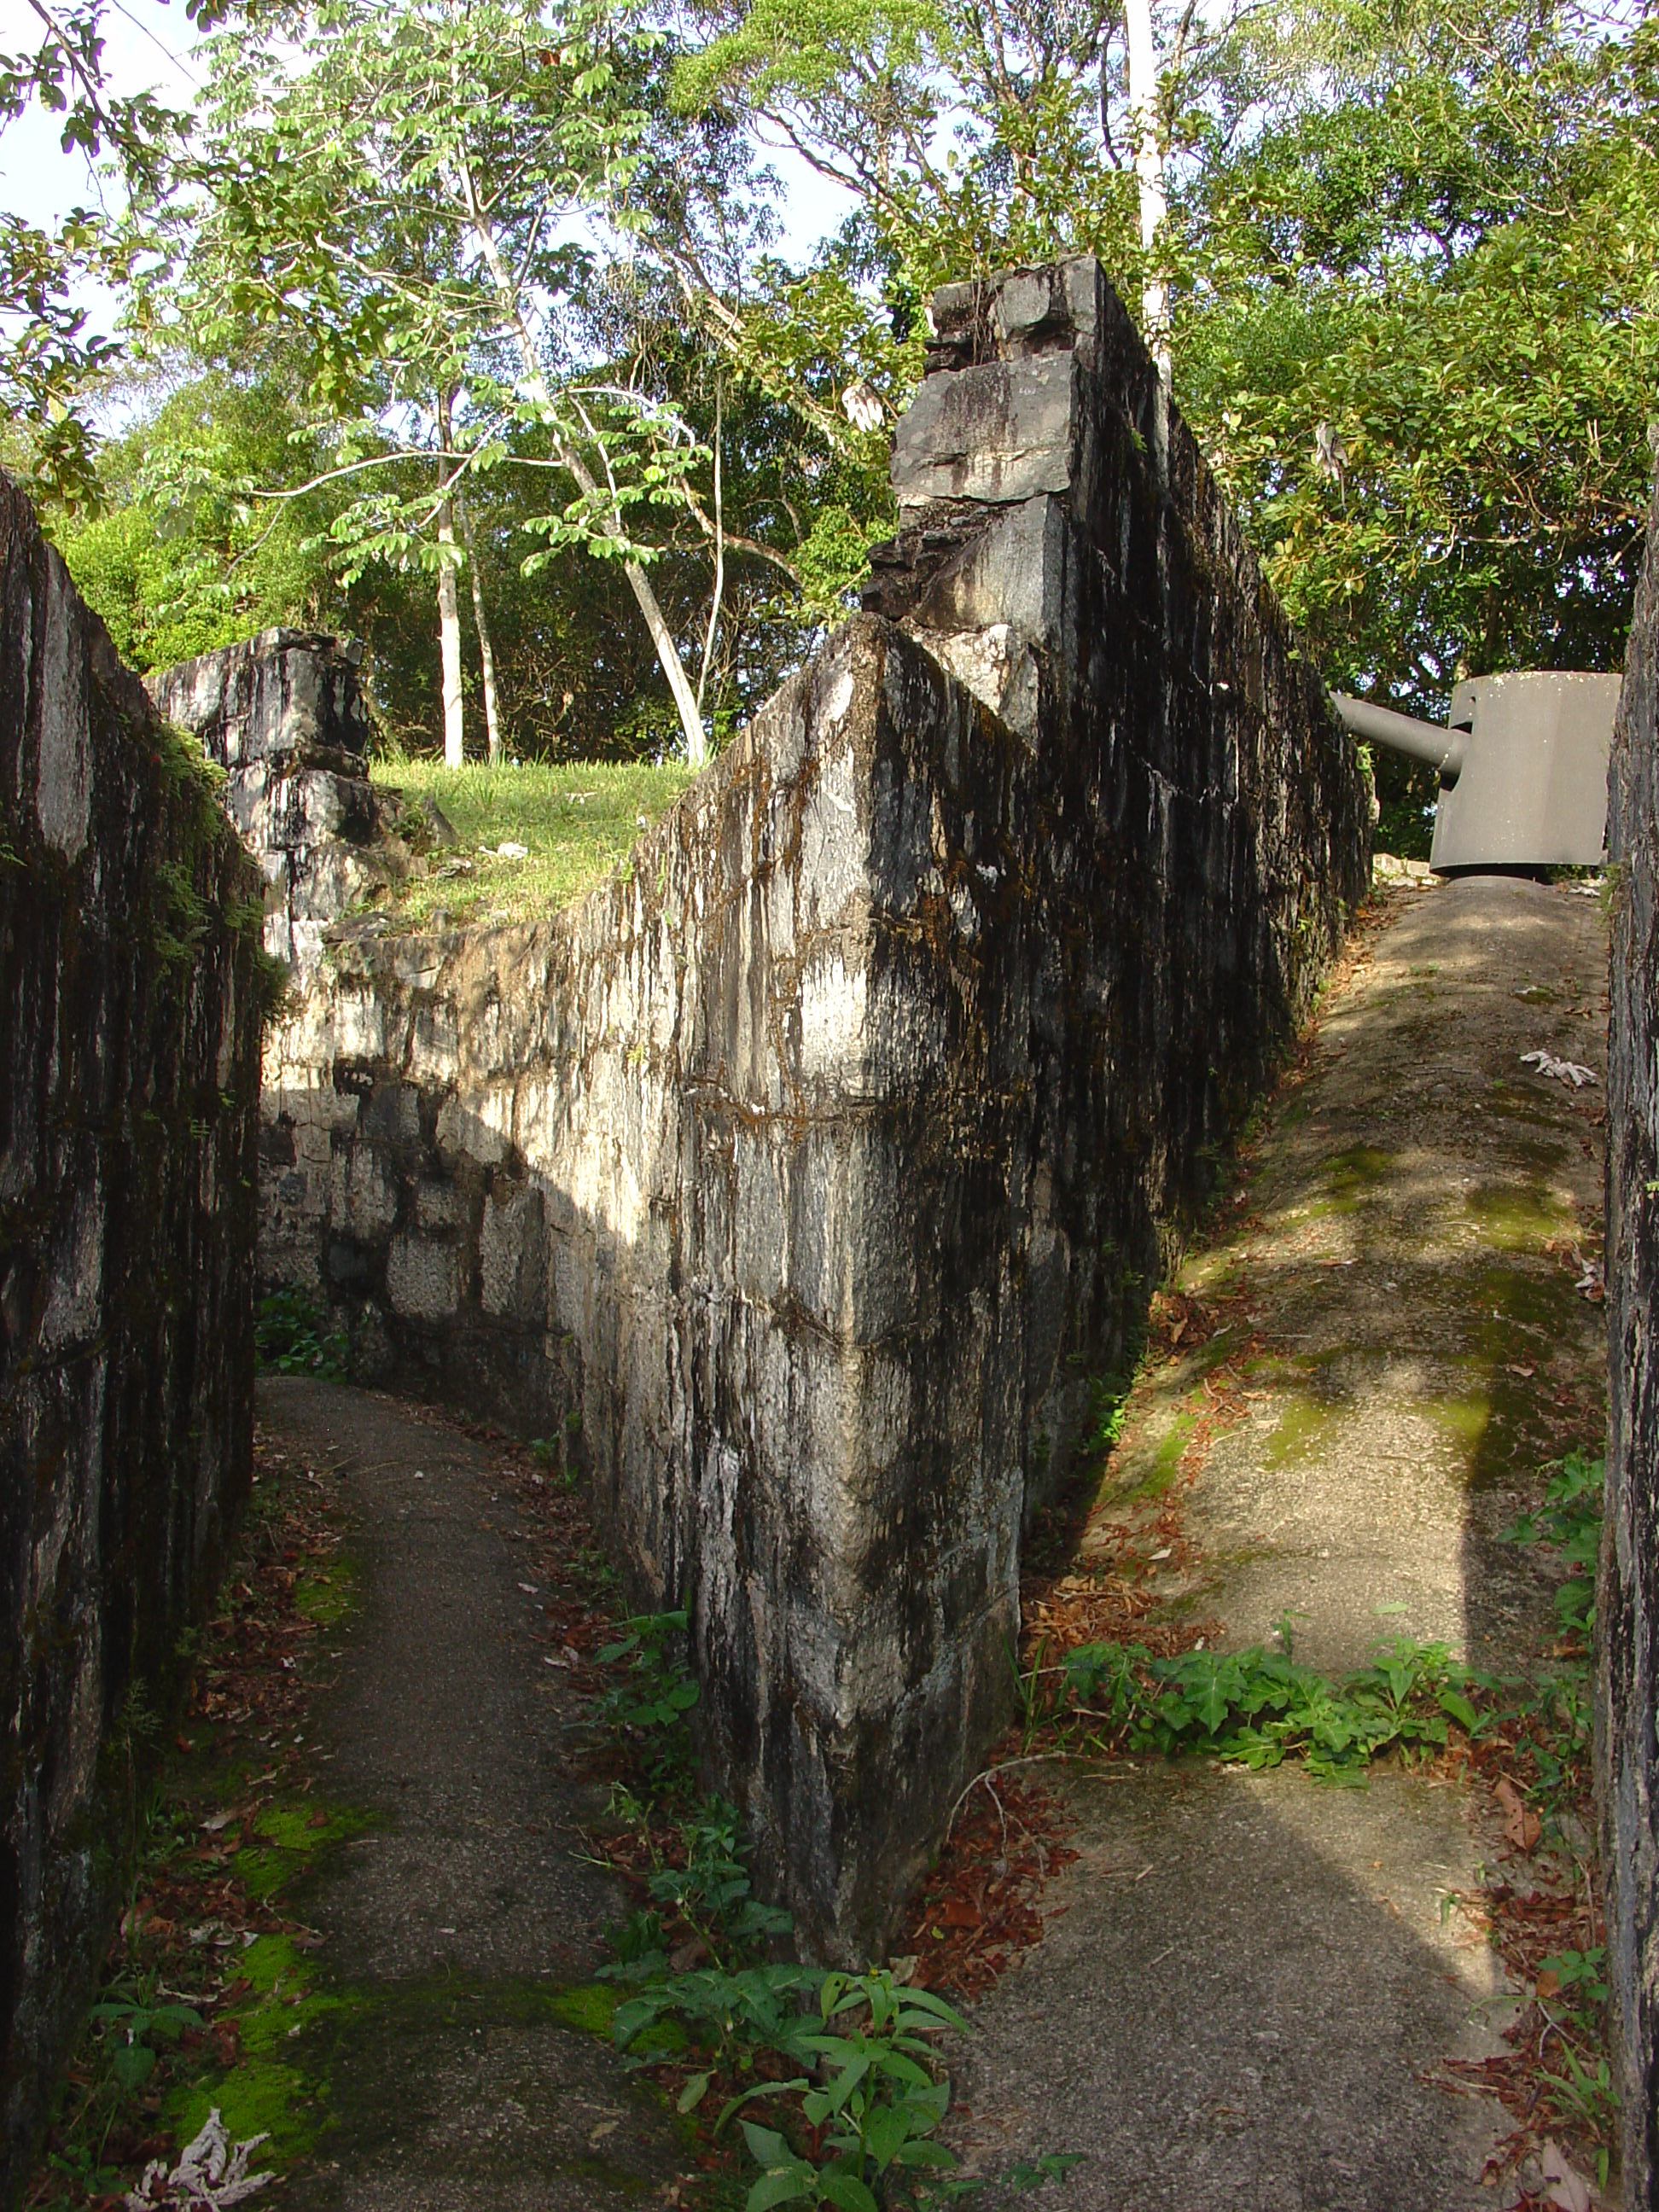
[[578, 820]]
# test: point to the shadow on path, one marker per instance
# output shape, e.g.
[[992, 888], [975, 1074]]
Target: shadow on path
[[459, 2068]]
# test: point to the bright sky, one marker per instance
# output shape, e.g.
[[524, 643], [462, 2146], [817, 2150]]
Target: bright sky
[[147, 47]]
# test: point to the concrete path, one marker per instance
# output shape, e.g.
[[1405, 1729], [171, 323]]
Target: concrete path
[[460, 1933], [1248, 1983]]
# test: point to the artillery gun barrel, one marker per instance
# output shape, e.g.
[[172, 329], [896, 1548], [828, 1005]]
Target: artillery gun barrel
[[1441, 749]]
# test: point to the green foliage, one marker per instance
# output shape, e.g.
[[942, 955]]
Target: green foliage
[[291, 1338], [1259, 1708], [648, 1700], [1109, 1410], [845, 2060], [131, 2030], [1569, 1520], [183, 557], [49, 366], [576, 821], [1440, 248]]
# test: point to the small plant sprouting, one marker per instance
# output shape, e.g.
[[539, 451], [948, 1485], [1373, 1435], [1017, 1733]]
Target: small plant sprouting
[[291, 1338], [650, 1699], [855, 2091], [131, 2030], [1570, 1519]]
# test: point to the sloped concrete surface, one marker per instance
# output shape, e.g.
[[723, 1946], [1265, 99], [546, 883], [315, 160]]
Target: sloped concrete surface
[[1249, 1984]]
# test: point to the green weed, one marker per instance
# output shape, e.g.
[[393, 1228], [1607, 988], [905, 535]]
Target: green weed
[[291, 1338], [1570, 1519], [648, 1700], [1260, 1708], [856, 2092], [131, 2030]]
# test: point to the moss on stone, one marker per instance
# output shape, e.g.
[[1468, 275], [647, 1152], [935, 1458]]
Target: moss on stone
[[1352, 1177], [329, 1597]]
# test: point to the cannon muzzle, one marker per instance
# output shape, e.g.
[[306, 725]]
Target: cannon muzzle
[[1442, 750]]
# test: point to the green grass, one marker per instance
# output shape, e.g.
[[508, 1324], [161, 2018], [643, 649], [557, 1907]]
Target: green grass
[[578, 820]]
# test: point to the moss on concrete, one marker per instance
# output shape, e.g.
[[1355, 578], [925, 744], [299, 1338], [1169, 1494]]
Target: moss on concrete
[[1517, 1216], [330, 1595], [1354, 1177], [290, 1835], [1303, 1426]]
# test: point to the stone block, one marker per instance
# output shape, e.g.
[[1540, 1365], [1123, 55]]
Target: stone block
[[512, 1257], [999, 432], [439, 1205], [422, 1278]]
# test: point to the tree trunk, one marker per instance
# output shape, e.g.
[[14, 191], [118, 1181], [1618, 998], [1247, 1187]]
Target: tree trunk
[[449, 611], [668, 653], [1148, 176], [486, 650], [449, 639]]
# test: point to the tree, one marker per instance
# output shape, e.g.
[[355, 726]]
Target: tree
[[1399, 259], [401, 192], [1421, 338], [50, 365], [176, 564]]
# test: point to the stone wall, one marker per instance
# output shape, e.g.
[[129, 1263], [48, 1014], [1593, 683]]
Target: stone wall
[[129, 1009], [815, 1169], [284, 717], [1627, 1610]]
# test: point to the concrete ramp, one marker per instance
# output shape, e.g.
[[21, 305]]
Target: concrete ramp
[[1251, 1984]]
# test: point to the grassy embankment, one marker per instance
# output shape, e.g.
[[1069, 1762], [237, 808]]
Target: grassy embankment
[[576, 819]]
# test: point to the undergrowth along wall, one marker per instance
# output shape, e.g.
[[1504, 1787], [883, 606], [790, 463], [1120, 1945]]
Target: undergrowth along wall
[[132, 992], [804, 1176]]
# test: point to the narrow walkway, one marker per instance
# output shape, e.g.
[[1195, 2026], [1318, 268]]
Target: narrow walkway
[[1248, 1982], [459, 2072]]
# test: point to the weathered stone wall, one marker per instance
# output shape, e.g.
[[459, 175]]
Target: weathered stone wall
[[284, 717], [130, 1005], [817, 1167], [1628, 1605]]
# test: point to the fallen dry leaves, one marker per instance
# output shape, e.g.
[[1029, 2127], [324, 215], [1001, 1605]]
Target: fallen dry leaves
[[191, 1915], [979, 1908]]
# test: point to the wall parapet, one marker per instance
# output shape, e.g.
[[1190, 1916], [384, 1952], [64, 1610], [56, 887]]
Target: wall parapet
[[284, 716]]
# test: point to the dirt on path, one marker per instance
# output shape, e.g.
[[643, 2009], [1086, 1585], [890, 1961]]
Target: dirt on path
[[459, 2059], [1250, 1983]]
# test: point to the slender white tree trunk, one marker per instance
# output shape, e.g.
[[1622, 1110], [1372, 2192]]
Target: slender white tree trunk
[[1148, 176], [486, 650], [449, 611], [449, 639], [668, 653], [719, 591]]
